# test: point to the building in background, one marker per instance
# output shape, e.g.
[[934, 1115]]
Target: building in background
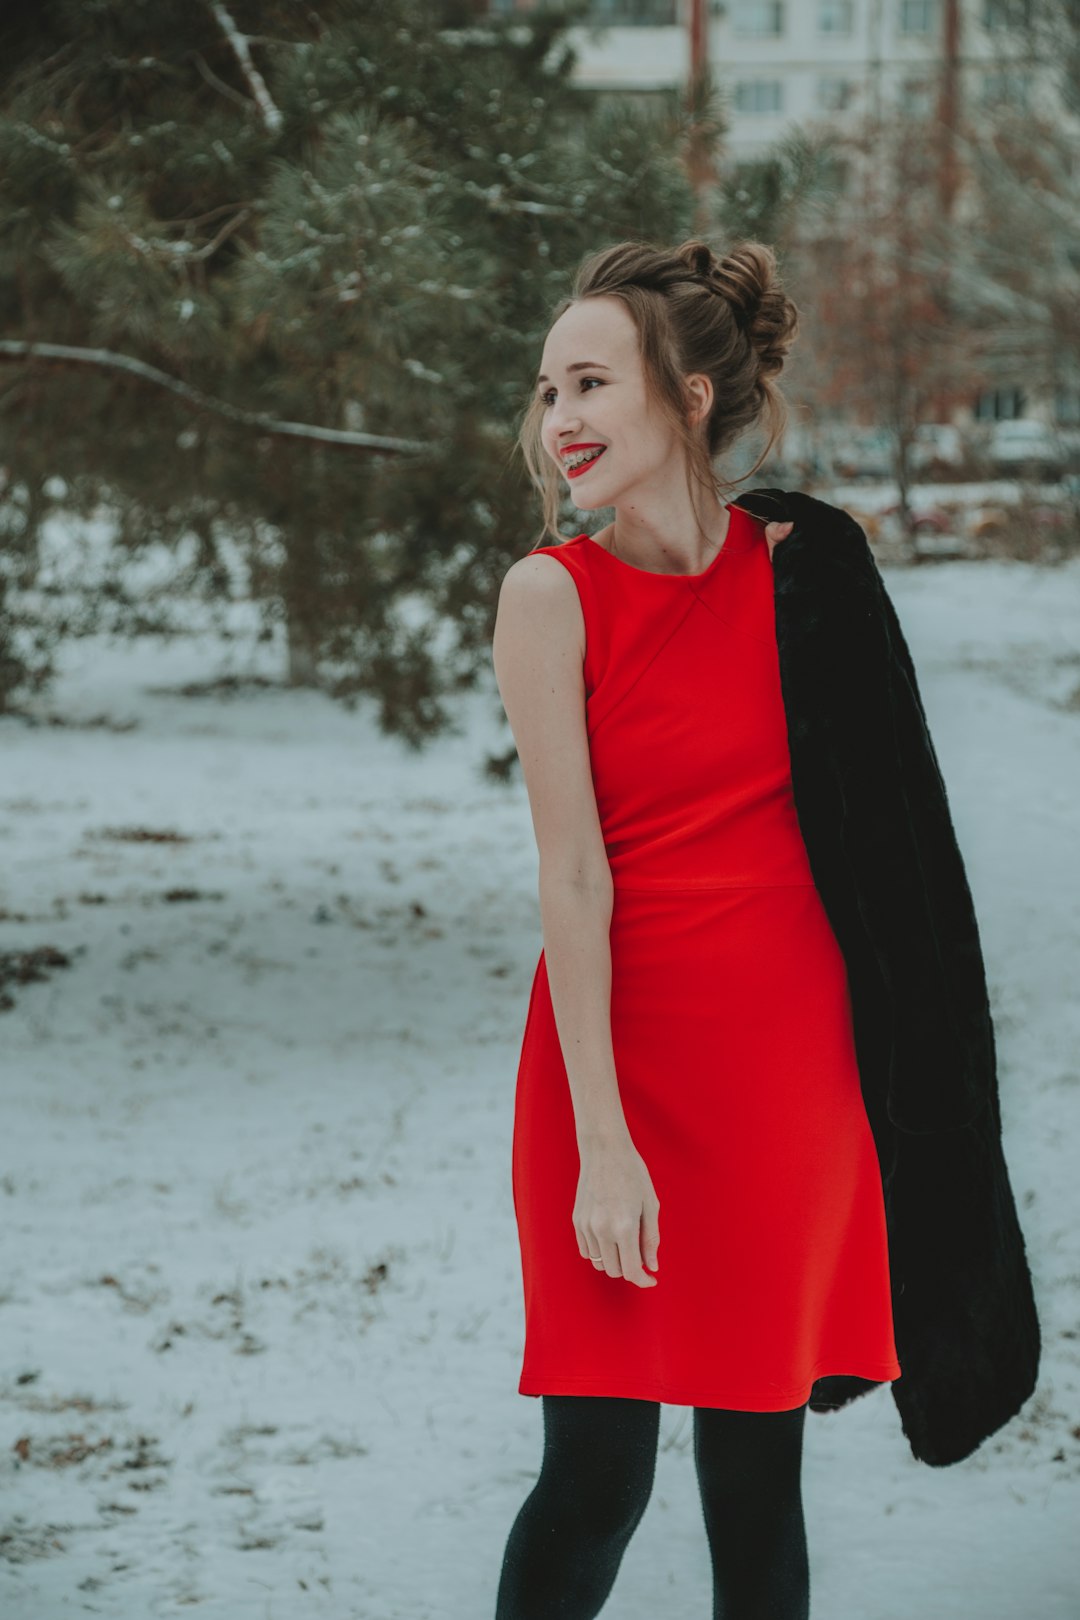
[[835, 65], [799, 62]]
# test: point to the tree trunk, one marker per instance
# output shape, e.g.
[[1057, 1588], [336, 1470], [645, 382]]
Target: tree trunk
[[303, 669]]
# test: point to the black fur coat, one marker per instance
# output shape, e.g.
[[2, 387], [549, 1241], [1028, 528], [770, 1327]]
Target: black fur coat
[[875, 819]]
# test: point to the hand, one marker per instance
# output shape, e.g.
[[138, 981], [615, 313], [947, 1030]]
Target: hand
[[775, 532], [616, 1213]]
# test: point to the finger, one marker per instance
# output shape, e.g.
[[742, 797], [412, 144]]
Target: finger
[[612, 1258], [650, 1238], [630, 1256], [775, 533], [608, 1251]]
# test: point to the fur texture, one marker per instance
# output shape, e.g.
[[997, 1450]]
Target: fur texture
[[874, 815]]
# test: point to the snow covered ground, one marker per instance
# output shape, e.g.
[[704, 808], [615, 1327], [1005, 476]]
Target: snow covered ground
[[260, 1319]]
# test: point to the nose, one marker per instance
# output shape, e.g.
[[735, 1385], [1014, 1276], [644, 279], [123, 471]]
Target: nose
[[559, 415]]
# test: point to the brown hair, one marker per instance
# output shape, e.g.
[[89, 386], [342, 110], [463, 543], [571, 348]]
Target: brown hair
[[695, 311]]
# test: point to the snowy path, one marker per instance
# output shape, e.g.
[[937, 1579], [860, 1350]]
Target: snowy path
[[259, 1301]]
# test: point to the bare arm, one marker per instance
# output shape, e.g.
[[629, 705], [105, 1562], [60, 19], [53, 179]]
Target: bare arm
[[538, 652]]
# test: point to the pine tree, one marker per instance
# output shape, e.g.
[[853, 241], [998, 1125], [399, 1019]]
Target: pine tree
[[351, 216]]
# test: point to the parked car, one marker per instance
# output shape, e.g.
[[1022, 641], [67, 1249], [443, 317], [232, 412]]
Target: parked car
[[1023, 444], [936, 447]]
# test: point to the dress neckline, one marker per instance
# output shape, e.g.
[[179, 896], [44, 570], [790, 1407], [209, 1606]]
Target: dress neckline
[[653, 573]]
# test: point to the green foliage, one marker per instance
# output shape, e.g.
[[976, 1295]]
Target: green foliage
[[370, 241]]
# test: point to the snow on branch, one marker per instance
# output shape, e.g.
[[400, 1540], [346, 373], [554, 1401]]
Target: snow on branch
[[108, 359], [271, 117]]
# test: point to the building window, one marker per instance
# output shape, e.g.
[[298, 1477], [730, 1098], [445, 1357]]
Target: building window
[[999, 14], [999, 405], [1005, 87], [834, 94], [758, 95], [917, 97], [918, 16], [633, 13], [758, 18], [835, 16]]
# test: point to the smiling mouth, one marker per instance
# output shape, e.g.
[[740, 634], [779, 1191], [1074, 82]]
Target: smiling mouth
[[583, 466]]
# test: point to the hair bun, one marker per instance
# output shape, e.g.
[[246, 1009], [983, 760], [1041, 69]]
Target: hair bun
[[701, 258], [747, 277]]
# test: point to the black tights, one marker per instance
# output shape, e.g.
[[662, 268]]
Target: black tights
[[567, 1542]]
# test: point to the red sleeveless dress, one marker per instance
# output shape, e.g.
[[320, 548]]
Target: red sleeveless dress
[[731, 1027]]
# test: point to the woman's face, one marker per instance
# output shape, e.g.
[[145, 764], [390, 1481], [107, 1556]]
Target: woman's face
[[601, 404]]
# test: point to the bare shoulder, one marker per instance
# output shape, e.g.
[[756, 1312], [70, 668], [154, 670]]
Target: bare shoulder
[[534, 573], [538, 600], [538, 654]]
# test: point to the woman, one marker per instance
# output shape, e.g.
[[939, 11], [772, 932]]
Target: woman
[[689, 1061]]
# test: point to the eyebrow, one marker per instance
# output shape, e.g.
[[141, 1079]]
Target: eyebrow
[[579, 365]]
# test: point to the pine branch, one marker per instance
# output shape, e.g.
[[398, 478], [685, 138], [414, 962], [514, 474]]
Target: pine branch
[[499, 203], [204, 219], [271, 117], [107, 359], [184, 250], [219, 84], [226, 230]]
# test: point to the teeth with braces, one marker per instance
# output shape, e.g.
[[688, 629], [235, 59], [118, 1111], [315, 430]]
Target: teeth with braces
[[581, 456]]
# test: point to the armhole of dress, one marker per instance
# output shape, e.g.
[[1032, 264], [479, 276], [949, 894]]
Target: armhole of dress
[[576, 573]]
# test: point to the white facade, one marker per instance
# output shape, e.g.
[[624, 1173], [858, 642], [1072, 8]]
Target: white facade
[[786, 63], [802, 64]]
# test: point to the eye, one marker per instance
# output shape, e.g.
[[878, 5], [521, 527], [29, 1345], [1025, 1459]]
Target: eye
[[545, 397]]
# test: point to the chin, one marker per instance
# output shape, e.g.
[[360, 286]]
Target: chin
[[589, 500]]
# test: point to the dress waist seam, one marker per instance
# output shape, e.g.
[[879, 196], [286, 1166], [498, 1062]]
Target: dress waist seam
[[662, 884]]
